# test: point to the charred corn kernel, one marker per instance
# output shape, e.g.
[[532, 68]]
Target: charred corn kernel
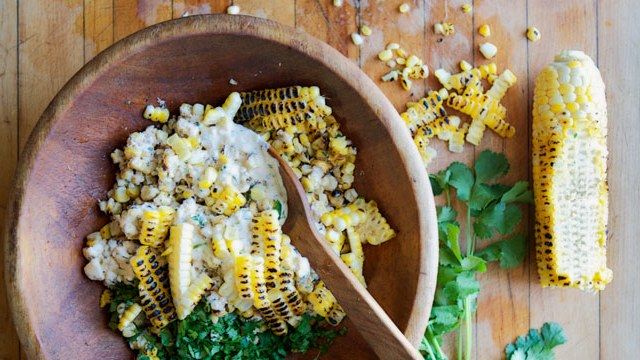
[[180, 242], [533, 34], [357, 39], [208, 177], [194, 293], [466, 8], [385, 55], [421, 140], [404, 8], [120, 195], [225, 199], [260, 298], [424, 110], [488, 50], [157, 114], [335, 315], [277, 325], [373, 228], [243, 269], [444, 28], [128, 316], [290, 293], [153, 287], [105, 232], [220, 249], [321, 299], [569, 156], [233, 10], [154, 225], [484, 30], [105, 298], [279, 305], [365, 30], [391, 76]]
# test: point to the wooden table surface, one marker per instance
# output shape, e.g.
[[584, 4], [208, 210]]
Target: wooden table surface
[[43, 43]]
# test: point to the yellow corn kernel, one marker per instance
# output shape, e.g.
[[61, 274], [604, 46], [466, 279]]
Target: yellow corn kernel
[[225, 200], [243, 272], [466, 8], [404, 8], [385, 55], [105, 298], [365, 30], [533, 34], [180, 146], [484, 30], [128, 316], [208, 177], [120, 195], [157, 114]]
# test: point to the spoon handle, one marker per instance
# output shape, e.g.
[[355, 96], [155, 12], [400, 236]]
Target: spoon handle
[[375, 326]]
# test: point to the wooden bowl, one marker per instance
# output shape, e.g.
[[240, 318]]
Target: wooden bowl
[[66, 169]]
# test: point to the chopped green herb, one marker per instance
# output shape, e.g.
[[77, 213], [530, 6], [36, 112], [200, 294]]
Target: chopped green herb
[[278, 207]]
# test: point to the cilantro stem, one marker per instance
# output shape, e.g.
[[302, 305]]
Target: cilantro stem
[[446, 192], [430, 354], [431, 338], [470, 238], [460, 340], [468, 328]]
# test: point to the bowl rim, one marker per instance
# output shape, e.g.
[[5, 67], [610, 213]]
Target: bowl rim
[[242, 25]]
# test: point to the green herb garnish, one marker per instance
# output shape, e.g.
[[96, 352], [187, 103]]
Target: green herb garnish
[[278, 207], [490, 209], [537, 345]]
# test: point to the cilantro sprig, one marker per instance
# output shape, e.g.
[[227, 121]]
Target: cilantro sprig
[[537, 345], [491, 210]]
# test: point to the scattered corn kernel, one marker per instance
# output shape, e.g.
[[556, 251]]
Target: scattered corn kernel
[[338, 3], [390, 76], [393, 46], [385, 55], [365, 30], [488, 50], [233, 10], [533, 34], [391, 63], [465, 66], [466, 8], [444, 28], [484, 30], [404, 8], [156, 113], [357, 39]]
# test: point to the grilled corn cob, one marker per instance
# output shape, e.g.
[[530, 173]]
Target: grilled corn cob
[[225, 200], [374, 228], [569, 172], [154, 226], [321, 299], [179, 258], [153, 287]]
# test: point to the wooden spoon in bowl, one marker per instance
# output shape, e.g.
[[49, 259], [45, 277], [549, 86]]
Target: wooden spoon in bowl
[[375, 326]]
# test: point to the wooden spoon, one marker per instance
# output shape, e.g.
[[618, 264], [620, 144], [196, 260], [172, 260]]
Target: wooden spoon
[[375, 326]]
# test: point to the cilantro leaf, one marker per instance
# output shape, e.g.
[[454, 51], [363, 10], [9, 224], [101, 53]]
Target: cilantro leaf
[[490, 165], [461, 179], [278, 207], [437, 185], [518, 193], [445, 318], [510, 252], [499, 217], [451, 235], [537, 345], [446, 214], [484, 194], [473, 263]]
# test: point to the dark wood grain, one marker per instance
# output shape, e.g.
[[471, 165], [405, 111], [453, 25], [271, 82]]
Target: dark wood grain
[[65, 169]]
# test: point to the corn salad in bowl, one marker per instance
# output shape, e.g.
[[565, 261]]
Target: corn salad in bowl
[[195, 250]]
